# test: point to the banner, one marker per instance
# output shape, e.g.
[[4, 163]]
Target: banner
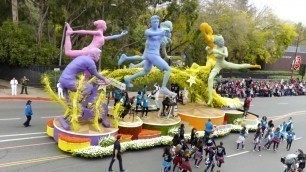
[[296, 63]]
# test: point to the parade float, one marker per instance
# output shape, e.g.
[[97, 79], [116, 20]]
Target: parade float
[[89, 125]]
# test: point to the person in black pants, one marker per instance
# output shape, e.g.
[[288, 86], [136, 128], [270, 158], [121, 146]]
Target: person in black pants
[[116, 155], [24, 83], [28, 113]]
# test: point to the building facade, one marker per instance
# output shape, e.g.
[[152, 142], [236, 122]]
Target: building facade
[[284, 63]]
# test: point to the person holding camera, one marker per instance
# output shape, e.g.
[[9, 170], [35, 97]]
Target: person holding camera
[[24, 84]]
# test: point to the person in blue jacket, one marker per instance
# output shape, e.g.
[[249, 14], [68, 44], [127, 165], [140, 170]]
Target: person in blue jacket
[[290, 138], [145, 105], [144, 90], [117, 96], [138, 100], [28, 113]]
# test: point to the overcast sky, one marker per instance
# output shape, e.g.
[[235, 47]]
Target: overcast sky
[[294, 10]]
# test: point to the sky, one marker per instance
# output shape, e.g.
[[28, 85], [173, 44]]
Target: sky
[[292, 10]]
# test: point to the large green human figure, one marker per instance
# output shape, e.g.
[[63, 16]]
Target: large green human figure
[[220, 52]]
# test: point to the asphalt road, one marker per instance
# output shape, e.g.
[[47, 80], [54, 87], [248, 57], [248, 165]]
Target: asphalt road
[[29, 149]]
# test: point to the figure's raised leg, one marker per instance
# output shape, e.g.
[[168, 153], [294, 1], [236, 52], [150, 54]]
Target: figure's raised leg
[[229, 65], [124, 57], [68, 46], [162, 65], [146, 69], [139, 65]]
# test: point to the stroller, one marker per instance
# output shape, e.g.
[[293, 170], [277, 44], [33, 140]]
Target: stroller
[[290, 162]]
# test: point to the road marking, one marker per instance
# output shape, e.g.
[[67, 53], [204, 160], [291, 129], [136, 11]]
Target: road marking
[[299, 138], [237, 154], [33, 160], [9, 119], [24, 134], [282, 103], [287, 115], [21, 146], [26, 138], [50, 116]]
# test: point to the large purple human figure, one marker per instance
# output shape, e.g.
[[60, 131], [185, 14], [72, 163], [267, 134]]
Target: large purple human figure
[[152, 56], [78, 65]]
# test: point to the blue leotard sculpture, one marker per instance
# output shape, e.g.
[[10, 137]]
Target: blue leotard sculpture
[[167, 26], [152, 56]]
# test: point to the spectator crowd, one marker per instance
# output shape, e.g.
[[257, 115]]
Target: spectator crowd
[[260, 88]]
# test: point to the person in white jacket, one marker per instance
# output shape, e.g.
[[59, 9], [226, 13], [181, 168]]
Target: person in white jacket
[[59, 90], [14, 84]]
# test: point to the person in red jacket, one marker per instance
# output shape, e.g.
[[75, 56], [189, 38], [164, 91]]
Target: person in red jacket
[[246, 106]]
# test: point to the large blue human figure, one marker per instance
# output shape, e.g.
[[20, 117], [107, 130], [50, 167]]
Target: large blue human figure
[[152, 56]]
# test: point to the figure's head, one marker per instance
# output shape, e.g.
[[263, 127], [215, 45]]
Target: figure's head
[[155, 21], [94, 53], [167, 24], [219, 40], [100, 24]]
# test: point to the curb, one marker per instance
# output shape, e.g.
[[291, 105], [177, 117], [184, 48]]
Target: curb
[[26, 98]]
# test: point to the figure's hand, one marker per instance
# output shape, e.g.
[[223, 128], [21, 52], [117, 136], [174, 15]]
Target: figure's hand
[[124, 32], [169, 41], [107, 82]]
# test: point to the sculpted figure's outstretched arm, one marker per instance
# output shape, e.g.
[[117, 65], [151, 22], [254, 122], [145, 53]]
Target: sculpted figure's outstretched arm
[[115, 36]]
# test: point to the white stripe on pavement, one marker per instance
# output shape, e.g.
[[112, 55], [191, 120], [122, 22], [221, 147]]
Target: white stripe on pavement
[[8, 119], [237, 154], [50, 116], [299, 138], [26, 138], [282, 103], [24, 134]]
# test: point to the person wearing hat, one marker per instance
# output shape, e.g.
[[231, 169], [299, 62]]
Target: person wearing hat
[[116, 155], [28, 113]]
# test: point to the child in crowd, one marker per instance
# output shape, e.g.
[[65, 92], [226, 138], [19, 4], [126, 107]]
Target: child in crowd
[[242, 136], [283, 130], [220, 154], [167, 162], [178, 160], [290, 138], [289, 124], [276, 139], [193, 144], [268, 139], [257, 141], [210, 162], [199, 153], [138, 100], [145, 106], [186, 167], [181, 131], [192, 136], [263, 123]]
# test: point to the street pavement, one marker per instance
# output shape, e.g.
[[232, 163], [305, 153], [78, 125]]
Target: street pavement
[[29, 149]]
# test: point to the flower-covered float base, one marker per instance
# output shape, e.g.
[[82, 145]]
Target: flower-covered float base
[[130, 126], [86, 131], [197, 114]]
